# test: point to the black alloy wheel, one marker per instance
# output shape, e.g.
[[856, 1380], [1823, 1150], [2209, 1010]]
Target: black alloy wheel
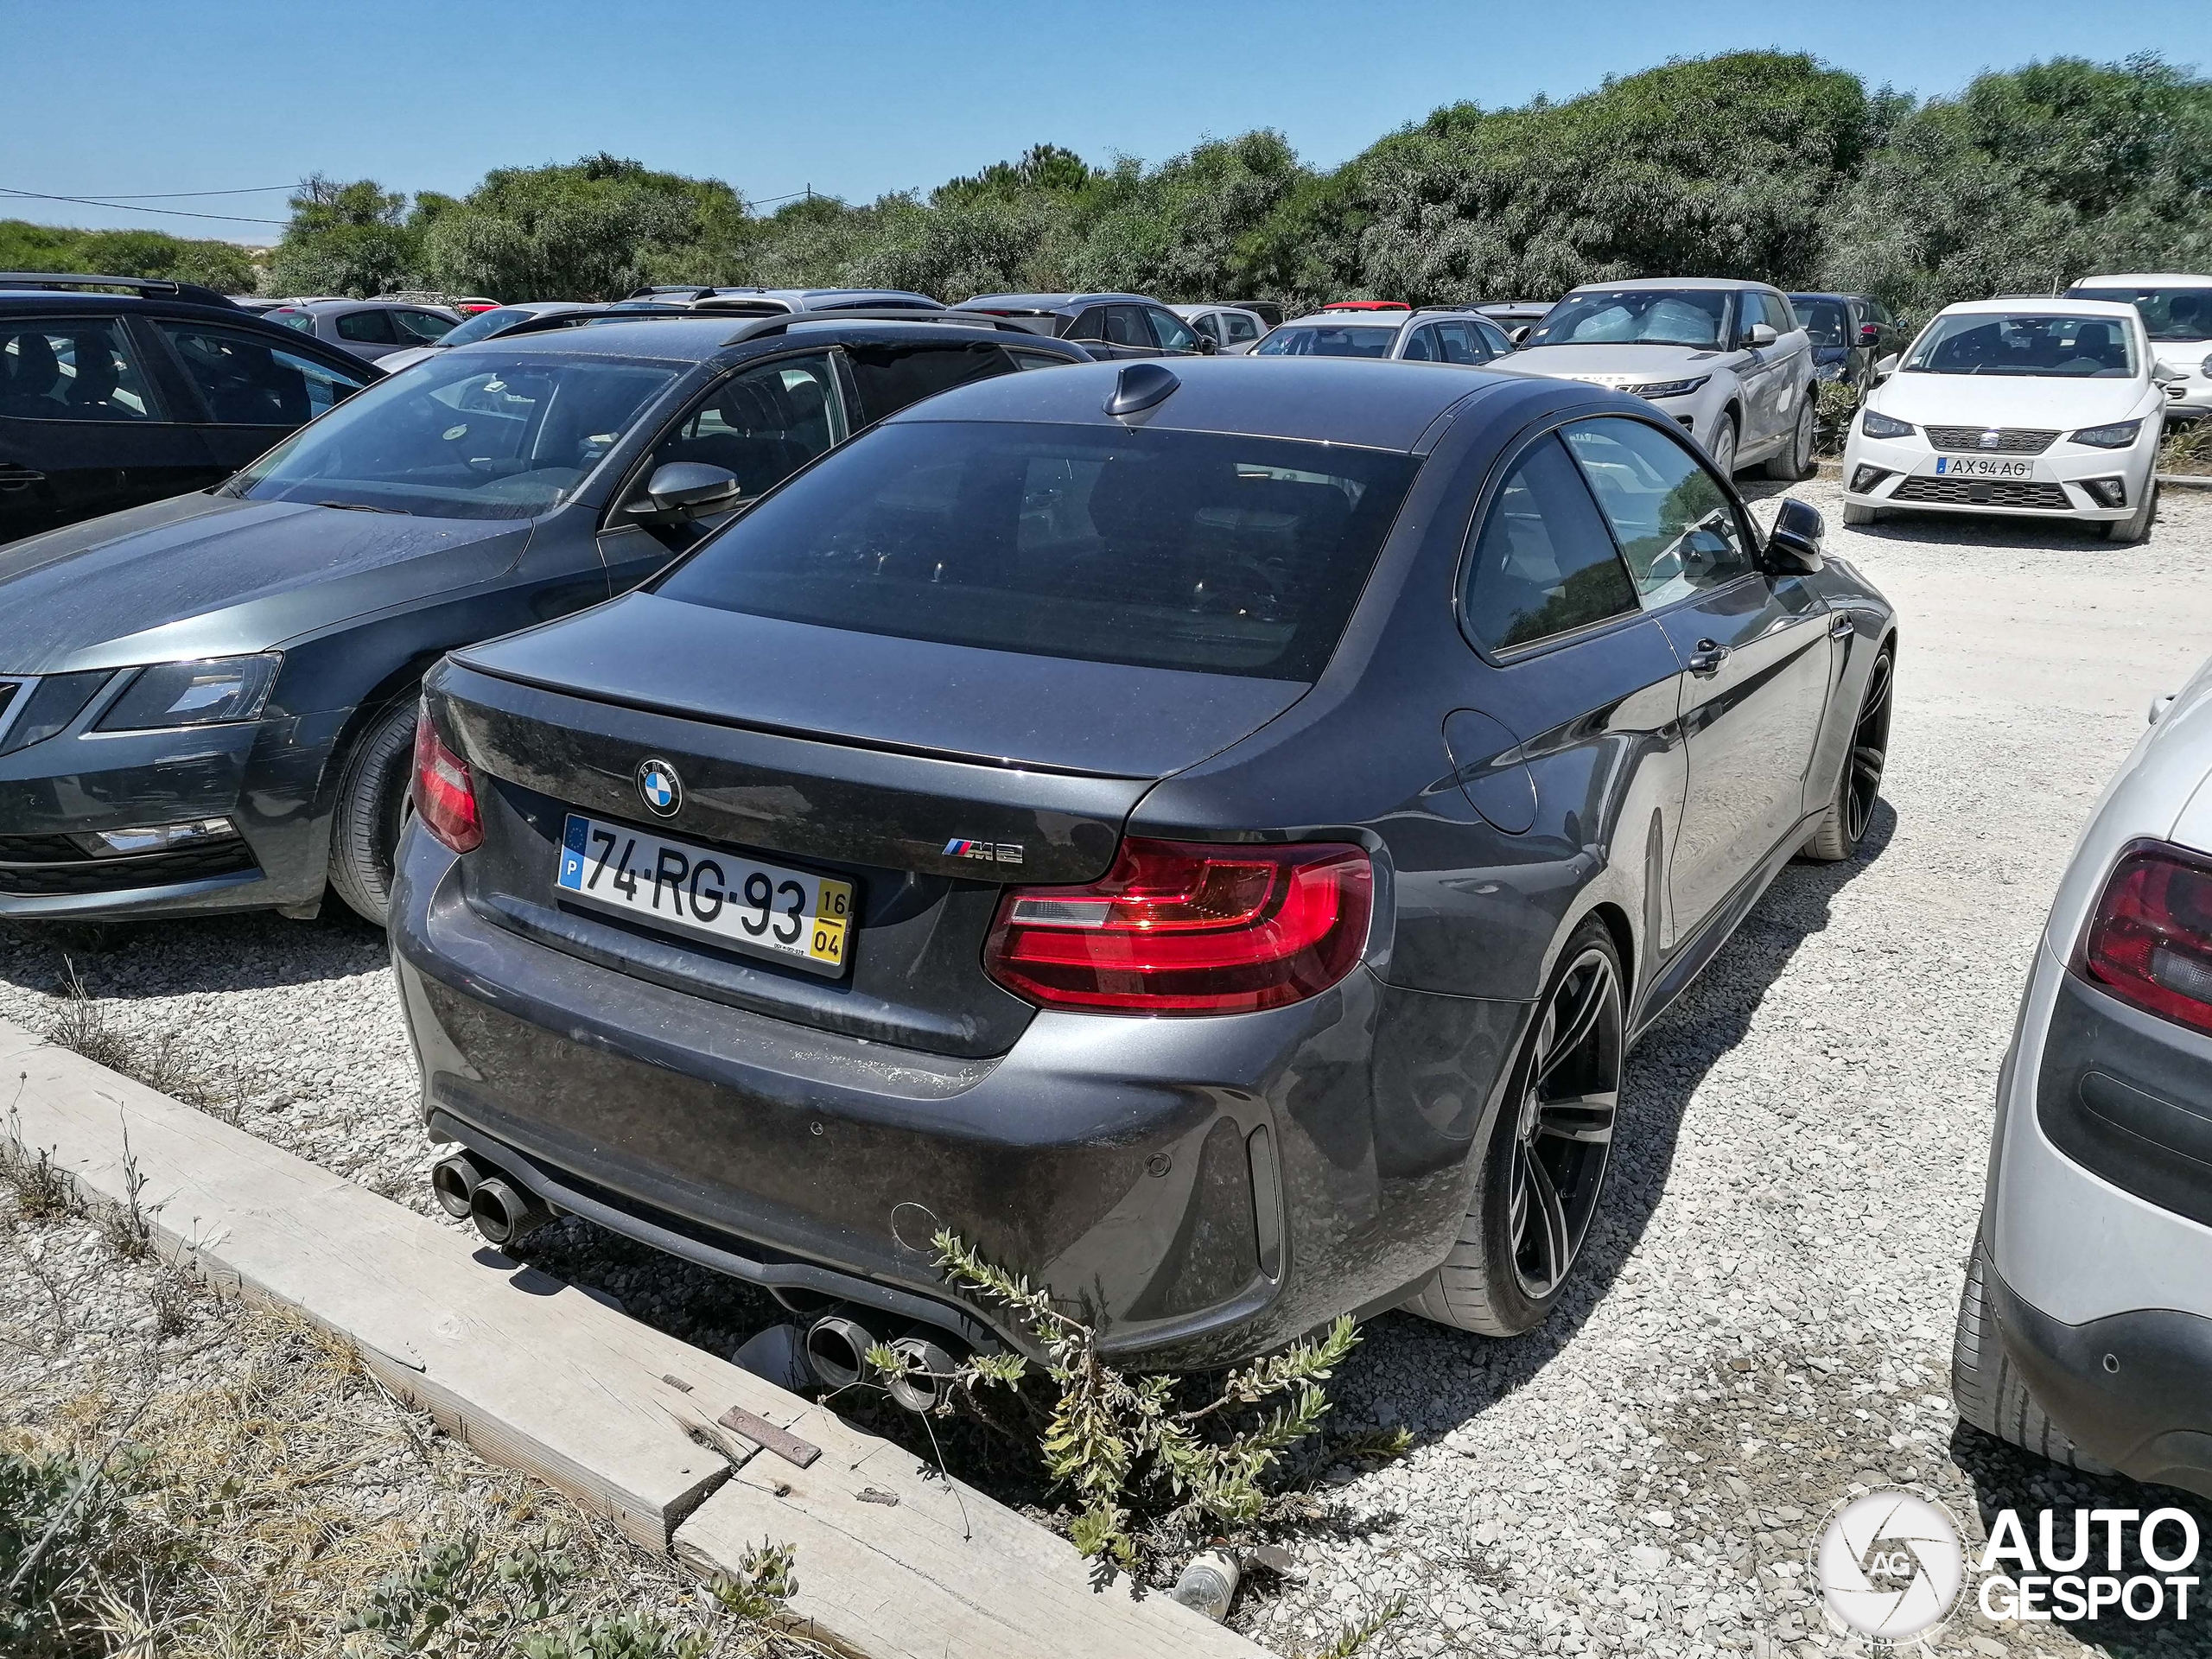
[[1563, 1132], [1870, 743]]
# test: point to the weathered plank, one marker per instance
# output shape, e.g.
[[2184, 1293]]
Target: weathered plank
[[539, 1376]]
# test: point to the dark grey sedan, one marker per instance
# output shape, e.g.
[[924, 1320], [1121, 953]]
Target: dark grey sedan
[[208, 703], [1207, 835]]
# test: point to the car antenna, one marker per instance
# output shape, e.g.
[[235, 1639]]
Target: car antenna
[[1140, 386]]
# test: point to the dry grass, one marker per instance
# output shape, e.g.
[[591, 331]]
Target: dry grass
[[2187, 448]]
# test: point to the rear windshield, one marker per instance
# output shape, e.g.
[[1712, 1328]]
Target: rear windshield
[[1164, 549], [1329, 340]]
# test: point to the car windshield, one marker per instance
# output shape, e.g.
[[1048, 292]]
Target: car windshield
[[2179, 313], [1635, 317], [2023, 343], [1160, 549], [1329, 340], [485, 324], [1824, 321], [472, 436]]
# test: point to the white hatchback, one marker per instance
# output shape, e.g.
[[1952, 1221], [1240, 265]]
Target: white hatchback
[[2030, 407]]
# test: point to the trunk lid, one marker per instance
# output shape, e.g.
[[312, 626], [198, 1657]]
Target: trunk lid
[[844, 775]]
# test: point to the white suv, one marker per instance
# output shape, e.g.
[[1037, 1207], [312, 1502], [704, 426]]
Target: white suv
[[2176, 312], [2027, 408], [1728, 360]]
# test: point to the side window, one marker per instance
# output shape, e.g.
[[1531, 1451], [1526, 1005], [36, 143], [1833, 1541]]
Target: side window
[[65, 369], [1036, 360], [1125, 327], [1209, 324], [1545, 564], [1240, 327], [368, 328], [249, 382], [1091, 325], [1169, 331], [1491, 336], [1421, 347], [421, 327], [1460, 343], [889, 378], [1779, 317], [1676, 526], [303, 321], [762, 424]]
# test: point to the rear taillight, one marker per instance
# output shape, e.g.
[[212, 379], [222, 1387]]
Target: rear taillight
[[1187, 927], [2150, 942], [445, 794]]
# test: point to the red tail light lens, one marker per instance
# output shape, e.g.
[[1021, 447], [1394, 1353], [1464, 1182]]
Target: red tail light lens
[[2150, 942], [1185, 927], [445, 793]]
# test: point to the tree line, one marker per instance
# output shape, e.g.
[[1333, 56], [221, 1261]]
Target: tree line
[[1759, 165]]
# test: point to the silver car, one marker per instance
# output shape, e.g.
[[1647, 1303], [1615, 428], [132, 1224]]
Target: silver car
[[1399, 335], [1231, 327], [371, 329], [1727, 360], [2085, 1332]]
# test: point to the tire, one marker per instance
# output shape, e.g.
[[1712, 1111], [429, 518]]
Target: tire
[[1987, 1390], [1722, 449], [1855, 514], [372, 804], [1795, 463], [1859, 781], [2137, 525], [1486, 1284]]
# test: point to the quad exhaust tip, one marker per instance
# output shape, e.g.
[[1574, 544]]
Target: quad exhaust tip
[[836, 1347], [453, 1183], [504, 1214], [925, 1373]]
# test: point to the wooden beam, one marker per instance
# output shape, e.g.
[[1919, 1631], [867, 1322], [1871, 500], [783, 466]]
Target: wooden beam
[[892, 1560]]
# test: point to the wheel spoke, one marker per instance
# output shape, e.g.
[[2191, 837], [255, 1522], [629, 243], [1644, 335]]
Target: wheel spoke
[[1575, 1028], [1550, 1220], [1587, 1118]]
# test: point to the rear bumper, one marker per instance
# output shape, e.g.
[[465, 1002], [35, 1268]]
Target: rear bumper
[[1207, 1188]]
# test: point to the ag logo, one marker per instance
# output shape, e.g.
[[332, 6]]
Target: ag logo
[[1889, 1564], [660, 789]]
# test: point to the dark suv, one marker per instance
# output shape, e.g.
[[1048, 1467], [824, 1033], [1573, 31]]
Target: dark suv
[[1108, 325], [109, 400], [1850, 334]]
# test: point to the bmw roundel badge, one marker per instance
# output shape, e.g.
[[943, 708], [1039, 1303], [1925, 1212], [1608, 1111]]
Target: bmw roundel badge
[[660, 787]]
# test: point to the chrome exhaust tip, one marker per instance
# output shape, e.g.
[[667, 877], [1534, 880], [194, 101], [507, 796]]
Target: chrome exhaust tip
[[505, 1215], [924, 1376], [836, 1348]]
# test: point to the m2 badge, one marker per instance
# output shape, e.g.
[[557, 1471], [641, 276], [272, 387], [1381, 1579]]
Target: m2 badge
[[986, 852]]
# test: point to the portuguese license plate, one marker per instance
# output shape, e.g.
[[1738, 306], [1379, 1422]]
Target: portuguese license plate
[[1981, 467], [763, 910]]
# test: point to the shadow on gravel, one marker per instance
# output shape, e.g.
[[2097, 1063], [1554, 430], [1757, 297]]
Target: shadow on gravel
[[1428, 1379], [2002, 1476], [249, 952]]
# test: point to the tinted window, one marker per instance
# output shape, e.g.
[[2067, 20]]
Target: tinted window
[[466, 434], [1091, 325], [60, 369], [763, 424], [1676, 526], [1460, 344], [248, 382], [891, 377], [1169, 331], [1125, 326], [1546, 564], [368, 328], [1635, 316], [1421, 347], [421, 327], [1176, 549]]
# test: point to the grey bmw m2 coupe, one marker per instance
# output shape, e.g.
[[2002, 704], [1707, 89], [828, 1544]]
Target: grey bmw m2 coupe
[[1207, 833]]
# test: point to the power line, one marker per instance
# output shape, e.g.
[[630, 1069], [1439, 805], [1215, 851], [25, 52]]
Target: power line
[[172, 212], [173, 195]]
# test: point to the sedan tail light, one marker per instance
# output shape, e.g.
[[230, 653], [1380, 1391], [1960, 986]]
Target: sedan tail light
[[1184, 927], [2149, 943], [445, 792]]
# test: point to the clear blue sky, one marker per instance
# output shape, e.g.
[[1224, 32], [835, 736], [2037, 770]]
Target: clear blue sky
[[106, 99]]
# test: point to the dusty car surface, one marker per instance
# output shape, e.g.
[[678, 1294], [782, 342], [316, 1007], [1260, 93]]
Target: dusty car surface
[[1207, 835]]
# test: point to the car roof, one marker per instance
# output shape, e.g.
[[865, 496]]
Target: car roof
[[2054, 305], [694, 338], [1661, 284], [1823, 293], [2145, 279], [1355, 319], [1047, 301], [1371, 405]]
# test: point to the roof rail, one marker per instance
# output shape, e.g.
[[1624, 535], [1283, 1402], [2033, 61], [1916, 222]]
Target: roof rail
[[547, 322], [191, 293], [757, 327]]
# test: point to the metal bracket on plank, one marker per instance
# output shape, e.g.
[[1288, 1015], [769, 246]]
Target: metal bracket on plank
[[766, 1435]]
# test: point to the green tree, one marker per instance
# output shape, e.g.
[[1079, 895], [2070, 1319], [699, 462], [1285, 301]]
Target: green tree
[[221, 265], [346, 239]]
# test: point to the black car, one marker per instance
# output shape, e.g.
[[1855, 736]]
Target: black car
[[107, 400], [1850, 334], [1206, 833], [1109, 325], [208, 703]]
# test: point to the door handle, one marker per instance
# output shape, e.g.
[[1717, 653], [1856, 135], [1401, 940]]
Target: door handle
[[13, 477], [1706, 660], [1840, 625]]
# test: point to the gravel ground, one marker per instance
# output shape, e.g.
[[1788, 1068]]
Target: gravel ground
[[1763, 1314]]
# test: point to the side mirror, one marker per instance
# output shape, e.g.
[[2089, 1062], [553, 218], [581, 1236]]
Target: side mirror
[[1885, 368], [1793, 546], [686, 489], [1760, 336], [1869, 333], [2166, 374], [1207, 346], [1519, 336]]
